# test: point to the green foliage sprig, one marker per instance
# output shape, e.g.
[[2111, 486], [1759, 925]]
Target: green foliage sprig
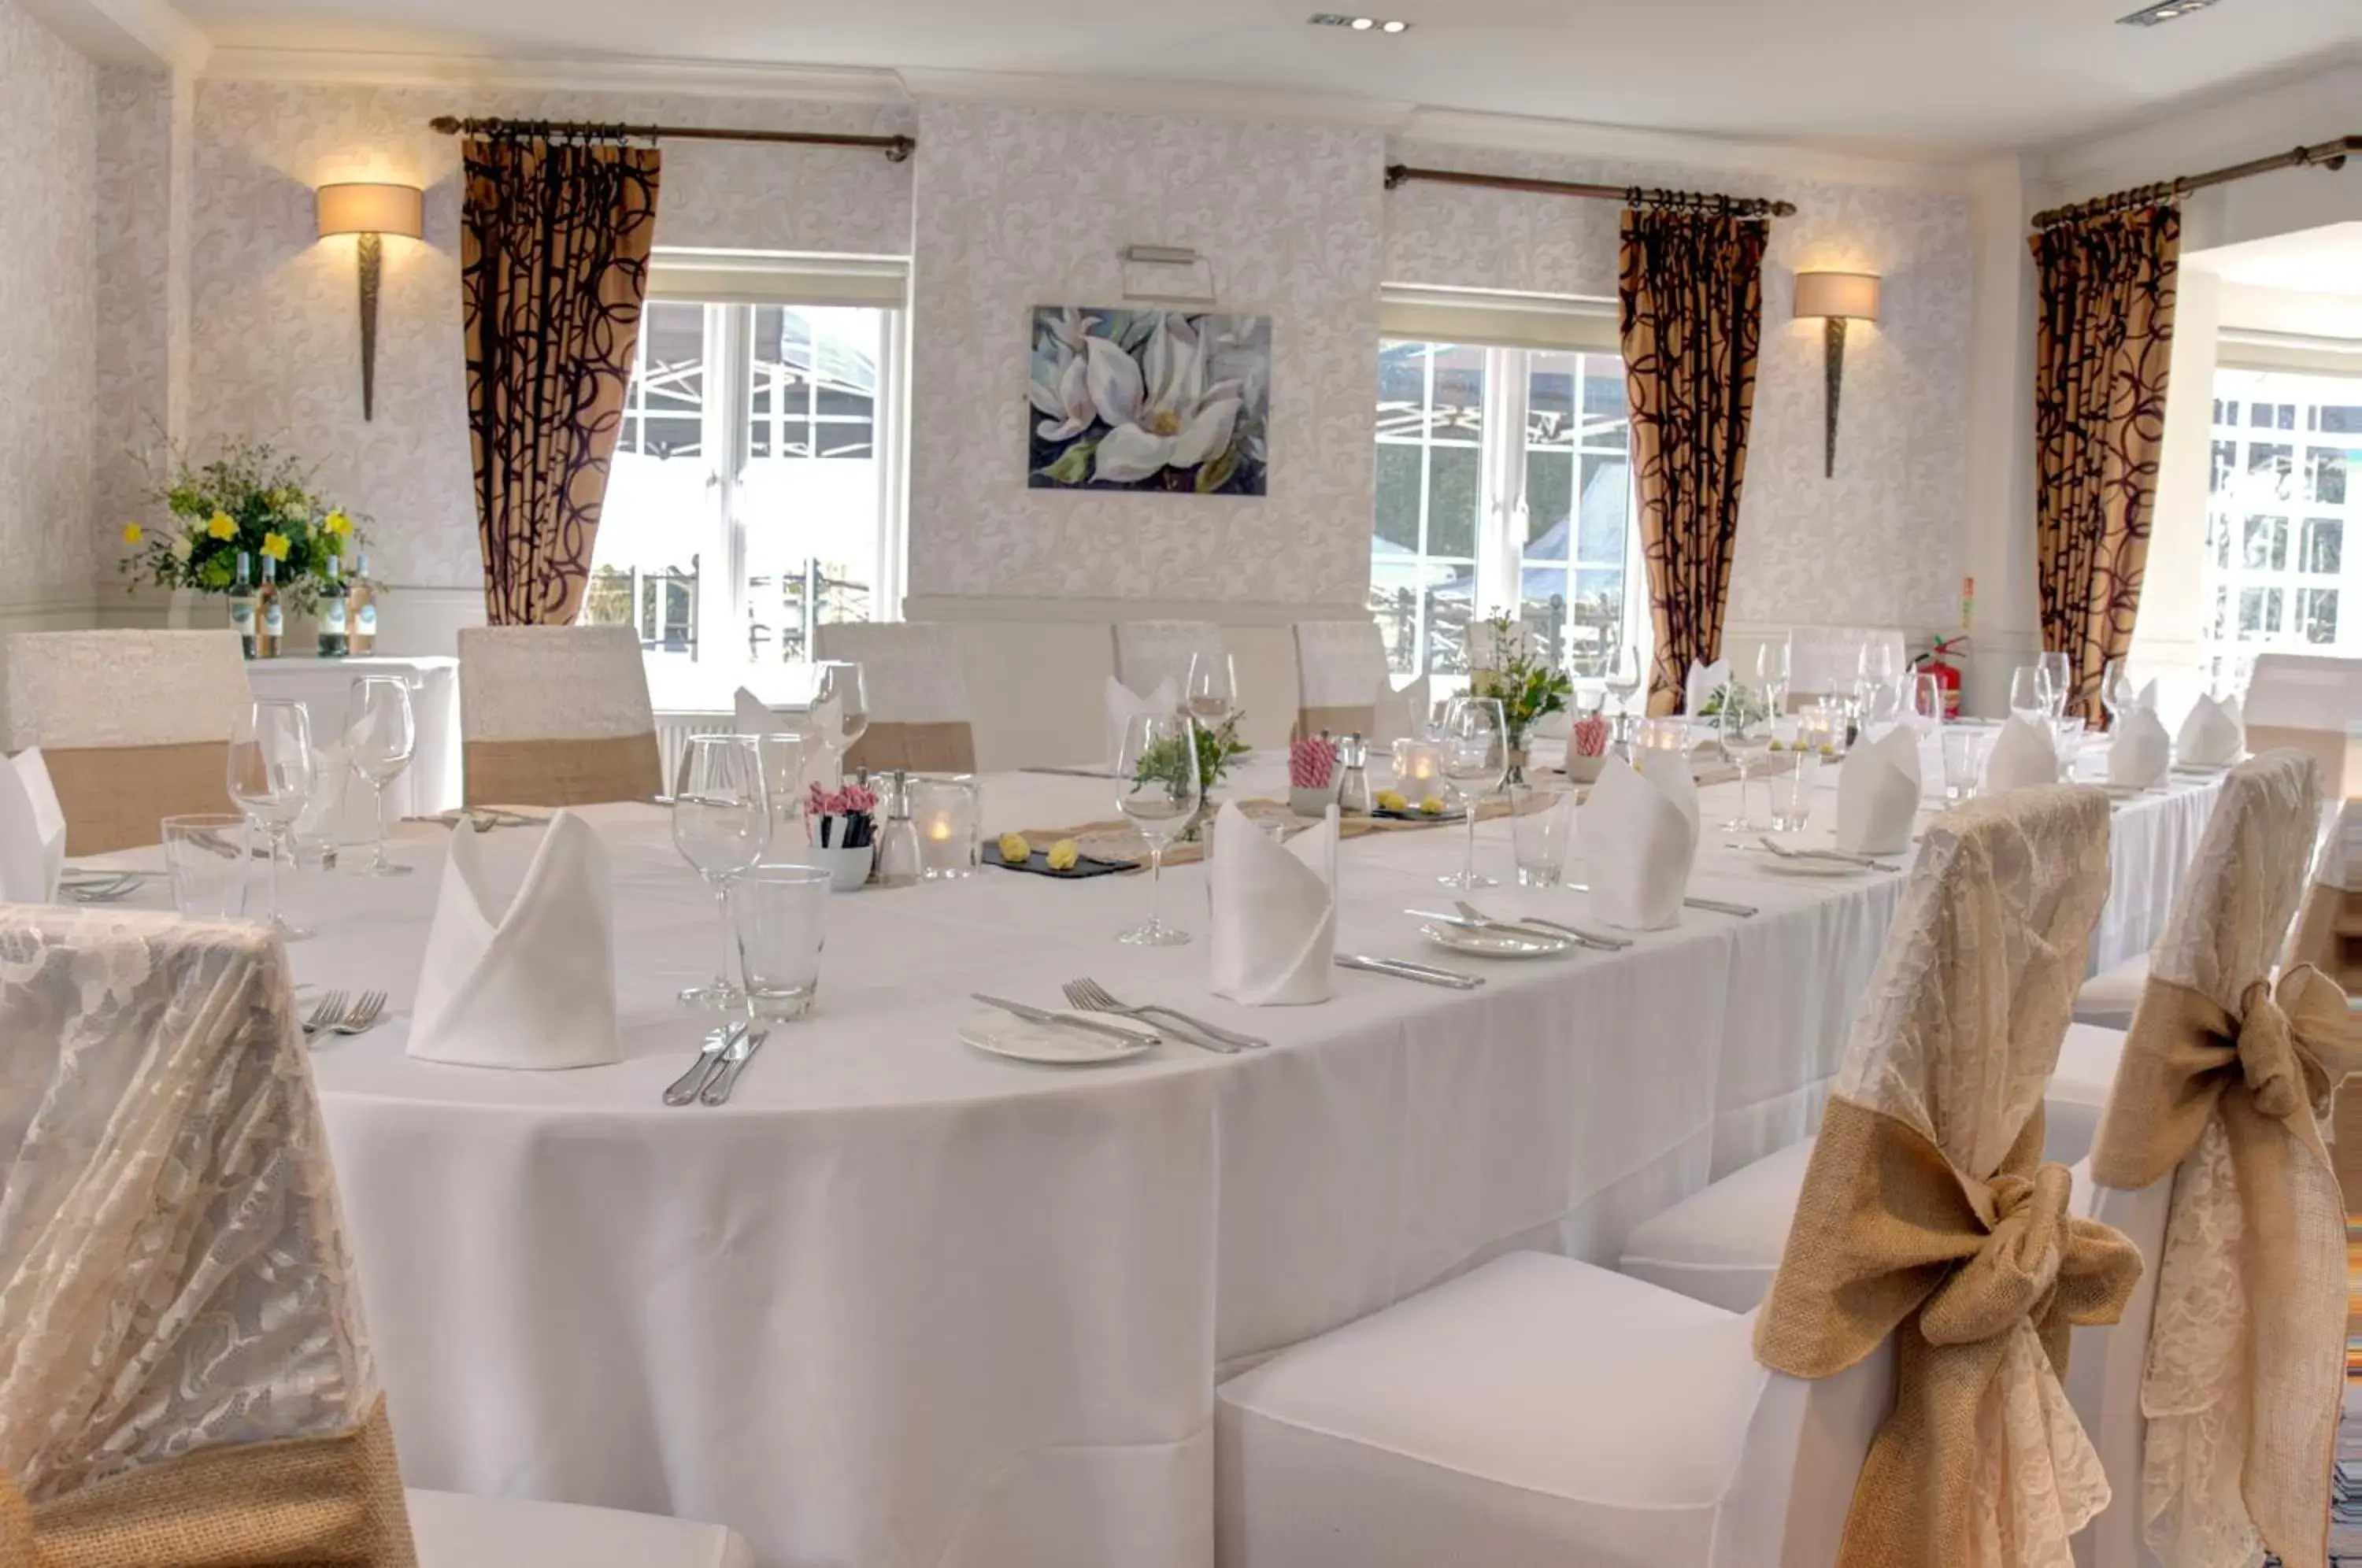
[[1160, 762], [1528, 688]]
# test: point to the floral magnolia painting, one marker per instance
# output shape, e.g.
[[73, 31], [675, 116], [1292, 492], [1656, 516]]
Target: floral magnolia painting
[[1161, 399]]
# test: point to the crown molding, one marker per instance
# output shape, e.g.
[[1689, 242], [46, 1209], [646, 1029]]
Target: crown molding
[[1625, 144], [148, 34], [1145, 95], [705, 79]]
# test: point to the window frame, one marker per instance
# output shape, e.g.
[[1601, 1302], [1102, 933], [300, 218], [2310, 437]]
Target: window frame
[[2224, 577]]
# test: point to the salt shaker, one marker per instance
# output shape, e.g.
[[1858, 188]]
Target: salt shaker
[[897, 839], [1353, 784]]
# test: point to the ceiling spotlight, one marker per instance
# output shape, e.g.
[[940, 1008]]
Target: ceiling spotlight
[[1363, 23], [1367, 24], [1394, 27], [2163, 11]]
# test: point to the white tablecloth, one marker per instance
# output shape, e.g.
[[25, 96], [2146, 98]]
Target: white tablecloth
[[431, 783], [903, 1303]]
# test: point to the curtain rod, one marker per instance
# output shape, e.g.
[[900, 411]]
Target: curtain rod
[[2329, 155], [1691, 201], [896, 149]]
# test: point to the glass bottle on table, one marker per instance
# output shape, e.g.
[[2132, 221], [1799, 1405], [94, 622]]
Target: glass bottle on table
[[242, 605], [336, 639], [1476, 742], [272, 616], [1158, 789], [381, 737], [721, 824], [363, 603], [272, 776]]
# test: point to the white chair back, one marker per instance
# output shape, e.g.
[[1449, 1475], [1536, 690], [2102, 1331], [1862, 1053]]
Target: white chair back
[[919, 717], [555, 716], [2313, 703], [1340, 674], [1149, 652], [1824, 660]]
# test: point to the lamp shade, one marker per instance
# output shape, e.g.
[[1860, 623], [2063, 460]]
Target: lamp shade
[[369, 209], [1853, 295]]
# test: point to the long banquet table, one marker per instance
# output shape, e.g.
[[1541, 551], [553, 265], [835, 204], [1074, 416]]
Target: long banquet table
[[902, 1303]]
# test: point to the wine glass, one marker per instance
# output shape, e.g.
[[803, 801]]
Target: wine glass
[[2117, 694], [1745, 724], [721, 824], [1874, 675], [1772, 674], [1476, 742], [840, 707], [1624, 675], [1924, 706], [381, 736], [271, 775], [2062, 680], [1213, 689], [2029, 692], [1157, 789]]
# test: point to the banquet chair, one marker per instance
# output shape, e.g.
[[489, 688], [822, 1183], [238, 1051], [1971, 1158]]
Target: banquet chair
[[1150, 652], [919, 714], [555, 716], [1541, 1410], [187, 1377], [1341, 671], [2312, 702], [2329, 922], [133, 727], [1823, 661]]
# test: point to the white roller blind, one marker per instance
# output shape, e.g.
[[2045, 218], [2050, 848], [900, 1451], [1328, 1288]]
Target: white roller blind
[[1498, 320], [737, 277]]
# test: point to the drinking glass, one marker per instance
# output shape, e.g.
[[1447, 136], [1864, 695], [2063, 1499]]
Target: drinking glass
[[1772, 674], [1540, 830], [1792, 793], [1875, 677], [782, 757], [780, 915], [381, 737], [1475, 743], [1623, 676], [2061, 676], [1926, 706], [2029, 692], [205, 855], [2070, 742], [721, 824], [1746, 728], [271, 775], [1158, 789], [1212, 697], [2117, 694], [840, 707], [1964, 759]]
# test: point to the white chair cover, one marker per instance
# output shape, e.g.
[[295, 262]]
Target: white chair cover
[[70, 691], [1148, 652], [530, 683], [1340, 664], [1824, 660], [910, 670], [2314, 703]]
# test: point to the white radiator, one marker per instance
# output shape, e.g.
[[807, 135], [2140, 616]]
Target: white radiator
[[673, 730]]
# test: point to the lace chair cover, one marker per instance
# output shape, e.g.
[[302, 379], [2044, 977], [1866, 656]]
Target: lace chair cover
[[1823, 661], [919, 714], [1953, 1046], [2329, 924], [2206, 1378], [555, 716], [1148, 652], [1341, 672], [175, 1286]]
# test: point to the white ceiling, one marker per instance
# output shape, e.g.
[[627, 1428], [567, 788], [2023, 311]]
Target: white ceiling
[[2325, 261], [1902, 76]]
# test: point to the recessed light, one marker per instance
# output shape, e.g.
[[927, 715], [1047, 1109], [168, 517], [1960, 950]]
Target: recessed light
[[2163, 11], [1357, 24], [1363, 23], [1394, 27]]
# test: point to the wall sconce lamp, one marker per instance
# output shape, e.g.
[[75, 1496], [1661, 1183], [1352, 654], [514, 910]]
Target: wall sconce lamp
[[372, 212], [1837, 298]]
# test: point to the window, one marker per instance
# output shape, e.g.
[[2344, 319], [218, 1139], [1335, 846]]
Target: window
[[1504, 484], [2280, 509], [755, 492]]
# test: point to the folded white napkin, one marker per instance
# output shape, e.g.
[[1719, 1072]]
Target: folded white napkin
[[2023, 756], [1671, 772], [2212, 735], [2147, 698], [1639, 834], [1704, 680], [1400, 716], [32, 831], [757, 717], [1274, 913], [529, 983], [1878, 794], [1124, 704], [2139, 752]]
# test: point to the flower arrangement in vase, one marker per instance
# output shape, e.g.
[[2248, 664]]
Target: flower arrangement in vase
[[1528, 687], [1311, 776], [843, 832], [250, 500]]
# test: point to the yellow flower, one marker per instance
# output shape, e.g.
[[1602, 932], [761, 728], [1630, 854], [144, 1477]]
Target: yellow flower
[[1393, 800], [133, 533], [1432, 806], [337, 523], [1063, 854], [1014, 850], [275, 546], [221, 525]]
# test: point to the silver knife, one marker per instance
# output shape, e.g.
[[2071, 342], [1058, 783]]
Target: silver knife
[[1072, 1020], [1716, 905], [749, 1042], [708, 1059], [1402, 970]]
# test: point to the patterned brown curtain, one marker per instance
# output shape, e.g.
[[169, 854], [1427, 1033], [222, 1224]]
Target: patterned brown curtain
[[553, 253], [1691, 288], [2102, 338]]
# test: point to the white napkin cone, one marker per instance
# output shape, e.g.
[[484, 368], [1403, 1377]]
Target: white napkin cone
[[1704, 680], [1124, 704], [2212, 735], [1400, 716], [2148, 698], [1274, 913], [1878, 794], [32, 831], [2139, 753], [531, 985], [1670, 771], [2023, 756], [757, 717], [1639, 835]]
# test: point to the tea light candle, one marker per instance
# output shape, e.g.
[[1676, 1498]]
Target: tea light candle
[[1417, 765], [946, 815]]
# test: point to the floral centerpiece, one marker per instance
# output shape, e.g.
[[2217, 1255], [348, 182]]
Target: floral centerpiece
[[1528, 688], [253, 499], [1218, 747]]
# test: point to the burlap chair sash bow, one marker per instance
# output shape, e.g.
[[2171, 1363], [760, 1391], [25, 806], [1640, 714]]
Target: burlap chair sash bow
[[2266, 1074], [1978, 1280]]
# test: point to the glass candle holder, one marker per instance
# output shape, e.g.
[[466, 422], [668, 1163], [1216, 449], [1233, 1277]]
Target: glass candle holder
[[1418, 769], [1821, 731], [948, 816], [1670, 735]]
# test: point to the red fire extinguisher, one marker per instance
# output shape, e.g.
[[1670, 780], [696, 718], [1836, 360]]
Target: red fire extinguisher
[[1942, 661]]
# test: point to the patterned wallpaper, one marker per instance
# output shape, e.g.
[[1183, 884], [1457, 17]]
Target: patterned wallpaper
[[49, 409], [274, 348], [143, 342], [1871, 545], [1020, 207]]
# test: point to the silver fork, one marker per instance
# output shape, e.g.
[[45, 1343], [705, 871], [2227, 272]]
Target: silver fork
[[364, 1016], [1088, 996], [330, 1009]]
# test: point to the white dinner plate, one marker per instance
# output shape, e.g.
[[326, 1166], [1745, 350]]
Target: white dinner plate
[[1815, 866], [1492, 943], [1056, 1045]]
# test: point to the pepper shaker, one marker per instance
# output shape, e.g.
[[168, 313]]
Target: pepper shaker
[[899, 863], [1353, 785]]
